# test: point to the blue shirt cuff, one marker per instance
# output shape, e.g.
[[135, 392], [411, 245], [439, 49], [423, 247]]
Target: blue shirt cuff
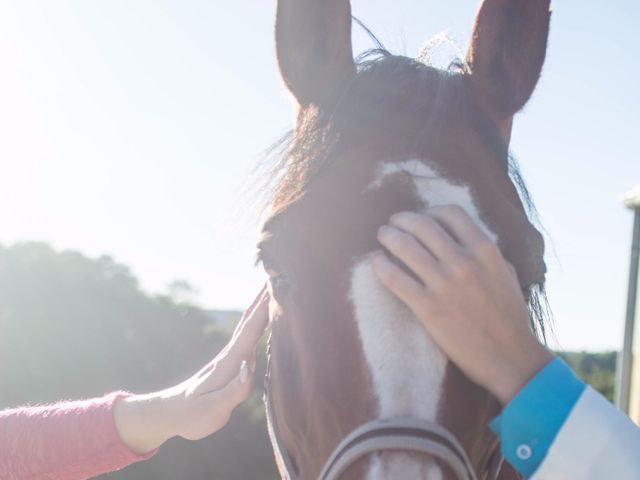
[[528, 425]]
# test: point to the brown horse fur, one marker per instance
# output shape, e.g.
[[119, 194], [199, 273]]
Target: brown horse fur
[[353, 117]]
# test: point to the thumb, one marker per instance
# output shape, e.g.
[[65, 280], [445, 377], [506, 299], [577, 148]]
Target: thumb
[[211, 411], [237, 390]]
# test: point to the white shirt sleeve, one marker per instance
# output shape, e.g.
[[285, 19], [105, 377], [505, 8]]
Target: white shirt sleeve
[[597, 442]]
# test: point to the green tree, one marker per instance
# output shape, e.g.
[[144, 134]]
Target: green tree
[[596, 369], [74, 327]]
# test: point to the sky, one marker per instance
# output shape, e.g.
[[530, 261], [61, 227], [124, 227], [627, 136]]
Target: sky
[[131, 129]]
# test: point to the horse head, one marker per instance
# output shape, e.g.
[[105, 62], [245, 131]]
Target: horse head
[[374, 136]]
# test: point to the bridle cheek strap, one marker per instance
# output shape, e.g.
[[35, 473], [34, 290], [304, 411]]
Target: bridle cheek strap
[[283, 460]]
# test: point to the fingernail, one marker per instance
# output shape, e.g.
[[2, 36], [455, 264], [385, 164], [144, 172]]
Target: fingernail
[[385, 231], [395, 217], [400, 215], [380, 262], [244, 372]]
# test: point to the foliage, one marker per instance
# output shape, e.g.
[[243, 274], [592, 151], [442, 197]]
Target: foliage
[[597, 369], [73, 327]]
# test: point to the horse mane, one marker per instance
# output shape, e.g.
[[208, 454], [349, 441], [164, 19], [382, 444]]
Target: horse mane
[[303, 153]]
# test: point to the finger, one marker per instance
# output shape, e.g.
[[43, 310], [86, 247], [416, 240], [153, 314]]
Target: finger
[[401, 284], [429, 232], [457, 221], [248, 313], [253, 326], [237, 390], [512, 270], [411, 252]]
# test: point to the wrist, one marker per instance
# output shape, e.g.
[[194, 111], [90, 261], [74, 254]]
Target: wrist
[[144, 422], [517, 373]]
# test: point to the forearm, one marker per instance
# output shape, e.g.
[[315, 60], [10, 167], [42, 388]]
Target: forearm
[[66, 441]]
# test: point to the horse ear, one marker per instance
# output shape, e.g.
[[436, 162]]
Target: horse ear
[[313, 44], [507, 51]]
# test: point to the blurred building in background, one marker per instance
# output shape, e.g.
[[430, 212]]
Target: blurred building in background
[[628, 385]]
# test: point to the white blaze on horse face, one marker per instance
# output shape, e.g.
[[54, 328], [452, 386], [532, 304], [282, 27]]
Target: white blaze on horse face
[[407, 367]]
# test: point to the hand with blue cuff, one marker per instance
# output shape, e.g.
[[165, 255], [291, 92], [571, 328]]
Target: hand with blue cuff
[[469, 298]]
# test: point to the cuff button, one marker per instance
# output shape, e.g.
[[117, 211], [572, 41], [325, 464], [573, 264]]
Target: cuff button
[[524, 452]]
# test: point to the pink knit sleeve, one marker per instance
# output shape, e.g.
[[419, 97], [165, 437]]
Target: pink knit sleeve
[[66, 441]]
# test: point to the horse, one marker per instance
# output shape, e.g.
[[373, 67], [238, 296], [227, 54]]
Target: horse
[[375, 135]]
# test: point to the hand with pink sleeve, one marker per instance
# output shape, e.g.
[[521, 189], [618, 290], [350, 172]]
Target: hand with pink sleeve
[[83, 439], [202, 404]]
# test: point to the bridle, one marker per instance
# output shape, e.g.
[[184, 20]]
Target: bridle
[[404, 434]]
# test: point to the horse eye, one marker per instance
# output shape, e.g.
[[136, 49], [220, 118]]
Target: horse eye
[[280, 284], [271, 269], [278, 281]]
